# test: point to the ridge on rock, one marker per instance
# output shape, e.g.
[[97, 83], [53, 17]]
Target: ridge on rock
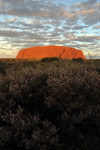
[[39, 52]]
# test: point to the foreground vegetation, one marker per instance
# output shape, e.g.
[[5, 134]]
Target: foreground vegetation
[[52, 104]]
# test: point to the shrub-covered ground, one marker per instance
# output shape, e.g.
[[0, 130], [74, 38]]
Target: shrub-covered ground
[[52, 104]]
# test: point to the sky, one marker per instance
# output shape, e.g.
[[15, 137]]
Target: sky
[[70, 23]]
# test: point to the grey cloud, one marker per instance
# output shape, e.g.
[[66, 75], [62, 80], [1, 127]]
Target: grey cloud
[[46, 9], [92, 18], [42, 10], [79, 27], [89, 11], [76, 27], [87, 38], [31, 8], [86, 5], [8, 33]]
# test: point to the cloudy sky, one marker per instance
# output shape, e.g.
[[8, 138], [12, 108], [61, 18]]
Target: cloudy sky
[[27, 23]]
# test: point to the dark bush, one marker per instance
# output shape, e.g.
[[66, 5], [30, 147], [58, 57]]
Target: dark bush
[[50, 59], [78, 59], [3, 67]]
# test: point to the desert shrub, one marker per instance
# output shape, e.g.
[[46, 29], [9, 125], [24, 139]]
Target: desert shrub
[[73, 100], [78, 59], [3, 67], [98, 70], [25, 87], [53, 108], [26, 132], [17, 65], [50, 59]]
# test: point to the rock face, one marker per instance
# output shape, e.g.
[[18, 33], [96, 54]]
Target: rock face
[[39, 52]]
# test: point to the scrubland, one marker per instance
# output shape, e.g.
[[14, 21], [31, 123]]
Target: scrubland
[[52, 104]]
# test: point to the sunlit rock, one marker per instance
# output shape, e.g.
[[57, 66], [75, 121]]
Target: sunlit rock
[[39, 52]]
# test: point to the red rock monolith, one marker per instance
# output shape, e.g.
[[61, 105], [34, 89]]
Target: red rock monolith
[[39, 52]]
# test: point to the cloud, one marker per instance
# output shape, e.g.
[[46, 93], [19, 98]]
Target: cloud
[[12, 19], [7, 53], [86, 5], [96, 27], [87, 38], [79, 27], [26, 8], [7, 33], [26, 23], [47, 9], [92, 18], [1, 4], [89, 11]]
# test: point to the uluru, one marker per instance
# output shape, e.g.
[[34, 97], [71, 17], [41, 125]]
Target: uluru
[[39, 52]]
